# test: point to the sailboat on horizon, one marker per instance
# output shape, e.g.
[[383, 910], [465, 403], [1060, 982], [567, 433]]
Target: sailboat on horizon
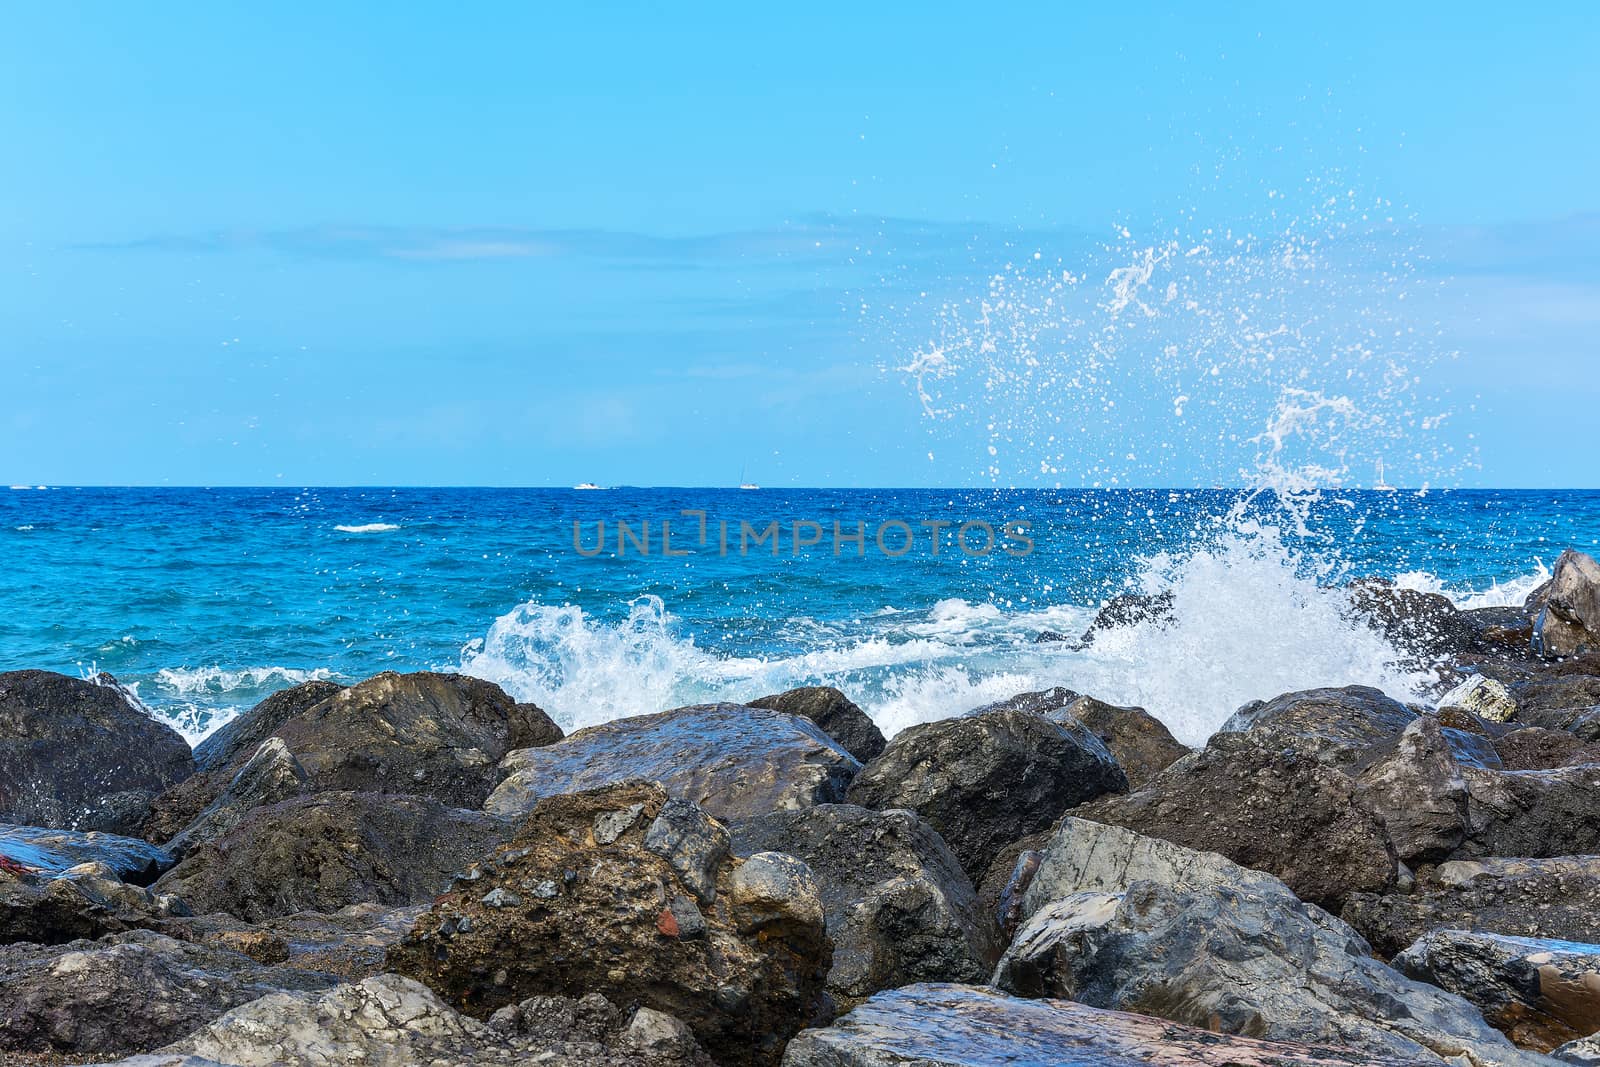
[[745, 483], [1381, 486]]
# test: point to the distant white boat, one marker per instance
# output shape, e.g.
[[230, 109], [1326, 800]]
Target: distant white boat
[[748, 485], [586, 485], [1380, 485]]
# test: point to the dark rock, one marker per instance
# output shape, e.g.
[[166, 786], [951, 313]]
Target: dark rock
[[970, 1026], [1251, 961], [52, 851], [1131, 609], [744, 970], [83, 902], [1140, 742], [1533, 748], [392, 1020], [1556, 701], [733, 761], [835, 713], [1544, 898], [239, 737], [1348, 728], [326, 851], [1538, 993], [270, 776], [76, 755], [126, 993], [982, 781], [1421, 789], [1256, 800], [1424, 625], [899, 908], [1569, 616], [349, 943]]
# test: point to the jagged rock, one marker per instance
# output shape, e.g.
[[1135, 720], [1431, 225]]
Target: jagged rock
[[969, 1026], [1131, 609], [1556, 701], [1421, 789], [1215, 947], [1425, 625], [1539, 993], [128, 992], [1482, 696], [270, 776], [426, 735], [836, 714], [1141, 744], [1585, 1051], [899, 908], [554, 911], [328, 850], [1534, 748], [1532, 813], [1547, 898], [733, 761], [349, 943], [982, 781], [76, 755], [391, 1021], [219, 757], [1265, 806], [50, 852], [82, 902], [1569, 616]]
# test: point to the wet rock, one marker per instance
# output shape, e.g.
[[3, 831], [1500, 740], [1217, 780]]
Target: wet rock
[[694, 843], [744, 970], [1542, 898], [1246, 960], [899, 908], [1585, 1051], [733, 761], [982, 781], [1569, 617], [1140, 742], [1421, 789], [1533, 748], [969, 1026], [395, 1022], [836, 714], [1131, 609], [1483, 697], [50, 852], [77, 755], [326, 851], [1254, 799], [1539, 993], [1425, 625], [82, 902], [269, 776], [349, 943], [1347, 728], [1556, 701], [1532, 813], [126, 993]]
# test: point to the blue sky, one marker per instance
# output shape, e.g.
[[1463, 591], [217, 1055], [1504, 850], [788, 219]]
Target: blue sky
[[516, 244]]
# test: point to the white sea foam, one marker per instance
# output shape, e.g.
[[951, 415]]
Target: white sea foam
[[366, 528], [187, 696], [1507, 594]]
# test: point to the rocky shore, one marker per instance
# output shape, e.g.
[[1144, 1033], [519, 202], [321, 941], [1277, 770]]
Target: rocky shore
[[419, 870]]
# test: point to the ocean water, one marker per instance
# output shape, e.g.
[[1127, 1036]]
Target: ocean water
[[203, 601]]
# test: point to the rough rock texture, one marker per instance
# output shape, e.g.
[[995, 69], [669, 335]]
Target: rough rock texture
[[588, 898], [1249, 961], [1482, 696], [1585, 1051], [1348, 728], [350, 943], [1421, 789], [899, 908], [329, 850], [427, 735], [129, 992], [76, 755], [1540, 993], [1549, 898], [968, 1026], [268, 777], [1265, 806], [734, 761], [1556, 701], [835, 713], [390, 1021], [1533, 748], [87, 901], [1141, 744], [982, 781], [1130, 609], [54, 851], [1569, 618], [1116, 920], [1425, 625]]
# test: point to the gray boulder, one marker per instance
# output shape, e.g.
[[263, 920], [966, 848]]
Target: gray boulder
[[1117, 921], [1540, 993], [734, 761], [390, 1021], [970, 1026], [127, 993], [1569, 617], [1347, 728], [326, 851], [899, 908], [835, 713], [983, 781], [1141, 744], [77, 755]]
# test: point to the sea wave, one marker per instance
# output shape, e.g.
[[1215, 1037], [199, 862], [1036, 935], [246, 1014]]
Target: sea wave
[[366, 528]]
